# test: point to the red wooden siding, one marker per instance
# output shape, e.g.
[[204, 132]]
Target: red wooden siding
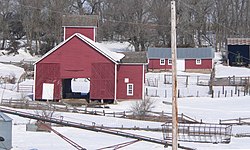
[[189, 64], [205, 64], [86, 31], [155, 64], [102, 82], [135, 75], [48, 73], [75, 58]]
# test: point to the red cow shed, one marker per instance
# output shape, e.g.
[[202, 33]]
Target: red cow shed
[[112, 76], [188, 59]]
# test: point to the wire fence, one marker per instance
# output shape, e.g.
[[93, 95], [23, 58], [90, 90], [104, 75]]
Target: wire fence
[[197, 86], [203, 133]]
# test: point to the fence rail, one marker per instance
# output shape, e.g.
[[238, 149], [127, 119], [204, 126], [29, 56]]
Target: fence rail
[[25, 88], [90, 128], [236, 121], [154, 116]]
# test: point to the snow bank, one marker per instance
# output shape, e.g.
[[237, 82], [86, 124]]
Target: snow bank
[[7, 70], [22, 56], [226, 71]]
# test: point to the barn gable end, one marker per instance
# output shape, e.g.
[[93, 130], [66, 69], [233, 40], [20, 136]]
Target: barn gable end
[[74, 58]]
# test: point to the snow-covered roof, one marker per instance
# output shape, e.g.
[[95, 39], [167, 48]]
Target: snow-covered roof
[[102, 49], [113, 56], [4, 117]]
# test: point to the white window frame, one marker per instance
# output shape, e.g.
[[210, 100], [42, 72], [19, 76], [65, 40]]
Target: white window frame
[[130, 89], [170, 62], [198, 61], [162, 61]]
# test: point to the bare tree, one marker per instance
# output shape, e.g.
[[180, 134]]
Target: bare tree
[[5, 13], [142, 23], [142, 108]]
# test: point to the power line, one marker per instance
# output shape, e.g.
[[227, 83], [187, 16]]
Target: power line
[[154, 25], [135, 23], [86, 16]]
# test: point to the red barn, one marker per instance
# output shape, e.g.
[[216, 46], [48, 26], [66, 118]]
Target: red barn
[[111, 75], [188, 59]]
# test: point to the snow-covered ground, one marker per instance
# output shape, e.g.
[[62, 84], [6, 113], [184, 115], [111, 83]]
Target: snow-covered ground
[[22, 56], [198, 106]]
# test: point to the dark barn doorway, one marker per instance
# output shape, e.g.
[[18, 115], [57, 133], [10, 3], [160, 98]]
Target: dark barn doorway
[[76, 88]]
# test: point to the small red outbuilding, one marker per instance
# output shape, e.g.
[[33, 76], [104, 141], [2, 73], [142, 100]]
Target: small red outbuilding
[[188, 59], [111, 75]]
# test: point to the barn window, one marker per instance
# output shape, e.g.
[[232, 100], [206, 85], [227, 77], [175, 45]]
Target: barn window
[[169, 61], [198, 61], [130, 89], [162, 61], [126, 80]]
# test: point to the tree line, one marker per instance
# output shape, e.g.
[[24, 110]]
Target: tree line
[[142, 23]]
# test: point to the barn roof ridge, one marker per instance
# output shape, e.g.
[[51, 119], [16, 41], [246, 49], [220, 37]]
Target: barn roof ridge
[[105, 51], [113, 56]]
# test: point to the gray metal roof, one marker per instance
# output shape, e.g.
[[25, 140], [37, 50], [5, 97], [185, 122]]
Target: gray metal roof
[[80, 20], [134, 57], [182, 53], [4, 117]]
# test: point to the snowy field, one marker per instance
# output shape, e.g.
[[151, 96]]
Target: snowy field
[[198, 106]]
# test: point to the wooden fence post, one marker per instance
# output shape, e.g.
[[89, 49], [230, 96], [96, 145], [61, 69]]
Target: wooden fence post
[[124, 113], [178, 93], [235, 90], [165, 79], [198, 79], [186, 81]]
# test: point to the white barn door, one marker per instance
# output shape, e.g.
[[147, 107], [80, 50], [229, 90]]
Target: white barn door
[[48, 91], [180, 65]]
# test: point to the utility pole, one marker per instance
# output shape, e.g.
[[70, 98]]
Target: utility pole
[[174, 79]]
